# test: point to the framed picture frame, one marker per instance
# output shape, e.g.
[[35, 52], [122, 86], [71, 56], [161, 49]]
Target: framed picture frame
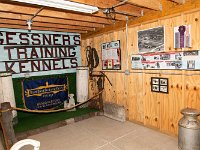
[[163, 81], [182, 36], [151, 40], [159, 85], [155, 81], [111, 55]]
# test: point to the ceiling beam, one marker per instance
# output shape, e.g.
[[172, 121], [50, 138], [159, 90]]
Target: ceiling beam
[[52, 13], [109, 3], [179, 1], [136, 11], [101, 14], [5, 15], [39, 28], [48, 25], [154, 16], [152, 4]]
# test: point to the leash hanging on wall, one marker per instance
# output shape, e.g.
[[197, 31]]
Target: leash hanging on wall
[[92, 58]]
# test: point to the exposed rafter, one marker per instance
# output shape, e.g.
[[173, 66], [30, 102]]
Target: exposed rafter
[[152, 4], [53, 13], [49, 25], [47, 20], [109, 3], [179, 1], [40, 28], [15, 15]]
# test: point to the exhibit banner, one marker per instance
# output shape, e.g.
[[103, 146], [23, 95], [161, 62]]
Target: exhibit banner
[[44, 93], [187, 60], [38, 53], [182, 36]]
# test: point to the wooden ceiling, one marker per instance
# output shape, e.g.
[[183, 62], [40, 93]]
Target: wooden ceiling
[[15, 15]]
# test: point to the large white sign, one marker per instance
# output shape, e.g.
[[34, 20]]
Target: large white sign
[[38, 52]]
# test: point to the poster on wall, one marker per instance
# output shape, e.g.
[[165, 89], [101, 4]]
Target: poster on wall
[[159, 85], [187, 60], [182, 36], [191, 59], [151, 40], [44, 93], [137, 61], [111, 55], [38, 52]]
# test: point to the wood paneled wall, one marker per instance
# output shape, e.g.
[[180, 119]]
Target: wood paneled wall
[[160, 111]]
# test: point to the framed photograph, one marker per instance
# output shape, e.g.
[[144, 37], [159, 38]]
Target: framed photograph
[[163, 81], [155, 80], [182, 36], [163, 89], [155, 88], [111, 55], [151, 40], [191, 64], [159, 85]]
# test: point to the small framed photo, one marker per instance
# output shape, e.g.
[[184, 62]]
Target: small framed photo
[[163, 89], [154, 80], [163, 81], [155, 88], [159, 85]]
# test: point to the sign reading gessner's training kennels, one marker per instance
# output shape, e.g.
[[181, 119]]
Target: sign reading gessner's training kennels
[[44, 93], [38, 52]]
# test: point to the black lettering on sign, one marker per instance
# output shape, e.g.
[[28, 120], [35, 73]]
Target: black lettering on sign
[[24, 39], [9, 67], [9, 52], [22, 53], [77, 40], [34, 52], [35, 66], [1, 38], [9, 38], [22, 66], [36, 39], [74, 63]]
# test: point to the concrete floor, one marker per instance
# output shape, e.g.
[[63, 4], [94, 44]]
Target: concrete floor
[[101, 133]]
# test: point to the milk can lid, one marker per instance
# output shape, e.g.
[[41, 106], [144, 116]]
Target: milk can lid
[[190, 112]]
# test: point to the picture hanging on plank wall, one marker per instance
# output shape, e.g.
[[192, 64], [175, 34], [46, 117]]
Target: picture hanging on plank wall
[[111, 55], [151, 40], [187, 60], [159, 85], [182, 36]]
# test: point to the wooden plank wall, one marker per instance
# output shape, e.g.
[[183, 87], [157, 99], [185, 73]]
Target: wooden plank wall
[[159, 111]]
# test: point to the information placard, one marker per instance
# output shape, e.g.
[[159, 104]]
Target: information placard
[[111, 55], [187, 60]]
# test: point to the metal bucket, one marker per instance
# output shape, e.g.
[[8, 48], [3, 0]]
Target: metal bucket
[[7, 90], [82, 75], [189, 130]]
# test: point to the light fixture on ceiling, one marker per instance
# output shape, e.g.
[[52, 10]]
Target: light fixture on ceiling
[[62, 4], [29, 23]]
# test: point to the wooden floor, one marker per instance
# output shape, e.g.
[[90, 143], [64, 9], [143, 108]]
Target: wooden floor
[[101, 133]]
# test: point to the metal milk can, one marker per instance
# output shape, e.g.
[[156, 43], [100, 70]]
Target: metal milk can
[[189, 130]]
